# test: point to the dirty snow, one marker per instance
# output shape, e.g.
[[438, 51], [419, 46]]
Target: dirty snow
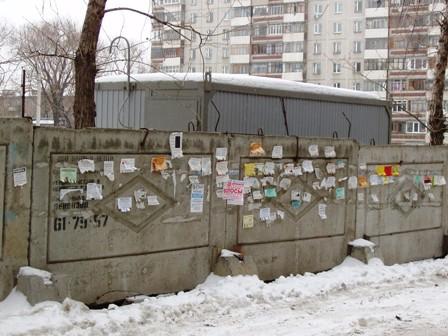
[[352, 299]]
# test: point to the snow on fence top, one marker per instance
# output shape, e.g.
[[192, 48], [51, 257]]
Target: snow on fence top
[[246, 81]]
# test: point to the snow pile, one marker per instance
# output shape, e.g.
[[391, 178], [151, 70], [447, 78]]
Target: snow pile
[[229, 254], [30, 271], [237, 298], [14, 303]]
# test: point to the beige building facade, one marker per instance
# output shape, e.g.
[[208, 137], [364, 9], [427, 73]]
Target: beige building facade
[[387, 47]]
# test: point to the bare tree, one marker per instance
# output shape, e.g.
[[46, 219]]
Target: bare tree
[[85, 65], [48, 49], [436, 117], [4, 57], [115, 60], [85, 61]]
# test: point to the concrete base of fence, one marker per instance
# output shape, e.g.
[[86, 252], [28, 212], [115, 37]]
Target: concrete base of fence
[[235, 266], [36, 289]]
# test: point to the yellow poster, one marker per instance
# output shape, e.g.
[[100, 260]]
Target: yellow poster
[[248, 222], [380, 171], [249, 169]]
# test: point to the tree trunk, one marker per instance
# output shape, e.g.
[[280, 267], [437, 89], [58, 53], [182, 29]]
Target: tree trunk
[[436, 118], [85, 65]]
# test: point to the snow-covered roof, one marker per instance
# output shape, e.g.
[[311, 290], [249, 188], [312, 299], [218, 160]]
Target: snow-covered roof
[[244, 81]]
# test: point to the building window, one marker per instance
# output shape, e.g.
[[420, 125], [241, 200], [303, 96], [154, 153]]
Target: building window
[[356, 66], [225, 52], [192, 54], [338, 7], [376, 23], [317, 48], [276, 10], [194, 2], [417, 64], [225, 69], [398, 85], [358, 6], [210, 2], [318, 9], [208, 53], [357, 26], [225, 35], [337, 27], [317, 28], [376, 43], [193, 17], [337, 85], [275, 29], [293, 67], [357, 47], [418, 106], [337, 48], [399, 106], [375, 64], [316, 68], [356, 86], [336, 67], [414, 127], [209, 17]]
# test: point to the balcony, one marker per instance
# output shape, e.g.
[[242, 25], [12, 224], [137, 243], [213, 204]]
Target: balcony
[[299, 17], [240, 21], [242, 3], [375, 53], [240, 40], [293, 37], [174, 61], [239, 59], [294, 76], [376, 12], [375, 74], [437, 7], [292, 57], [376, 33]]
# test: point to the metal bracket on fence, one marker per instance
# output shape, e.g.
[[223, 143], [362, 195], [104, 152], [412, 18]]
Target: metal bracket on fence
[[335, 135], [144, 138], [260, 132], [372, 142], [190, 123]]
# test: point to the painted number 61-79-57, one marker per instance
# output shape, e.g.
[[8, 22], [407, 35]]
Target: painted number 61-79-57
[[79, 222]]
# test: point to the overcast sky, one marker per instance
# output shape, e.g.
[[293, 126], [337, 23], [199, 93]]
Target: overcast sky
[[133, 26]]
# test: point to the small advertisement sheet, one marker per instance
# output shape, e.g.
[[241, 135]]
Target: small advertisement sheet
[[234, 192], [197, 198]]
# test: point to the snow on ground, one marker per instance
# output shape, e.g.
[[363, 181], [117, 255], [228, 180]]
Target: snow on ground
[[351, 299]]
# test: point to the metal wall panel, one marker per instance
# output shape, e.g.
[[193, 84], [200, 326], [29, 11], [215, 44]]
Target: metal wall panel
[[113, 110], [244, 113]]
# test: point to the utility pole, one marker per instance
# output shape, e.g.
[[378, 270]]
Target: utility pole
[[23, 92]]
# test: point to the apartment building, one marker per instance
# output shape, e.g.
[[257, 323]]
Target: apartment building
[[382, 46]]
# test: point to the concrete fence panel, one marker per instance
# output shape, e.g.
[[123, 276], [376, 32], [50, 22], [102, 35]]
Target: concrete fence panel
[[127, 224], [15, 185], [403, 211], [311, 220]]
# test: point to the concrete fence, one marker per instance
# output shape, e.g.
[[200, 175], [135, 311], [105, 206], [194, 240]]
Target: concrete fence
[[110, 213]]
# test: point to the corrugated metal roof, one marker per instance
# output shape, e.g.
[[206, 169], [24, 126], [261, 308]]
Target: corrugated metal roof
[[251, 84]]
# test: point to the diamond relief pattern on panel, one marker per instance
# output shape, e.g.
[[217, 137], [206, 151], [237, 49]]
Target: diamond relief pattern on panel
[[143, 217]]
